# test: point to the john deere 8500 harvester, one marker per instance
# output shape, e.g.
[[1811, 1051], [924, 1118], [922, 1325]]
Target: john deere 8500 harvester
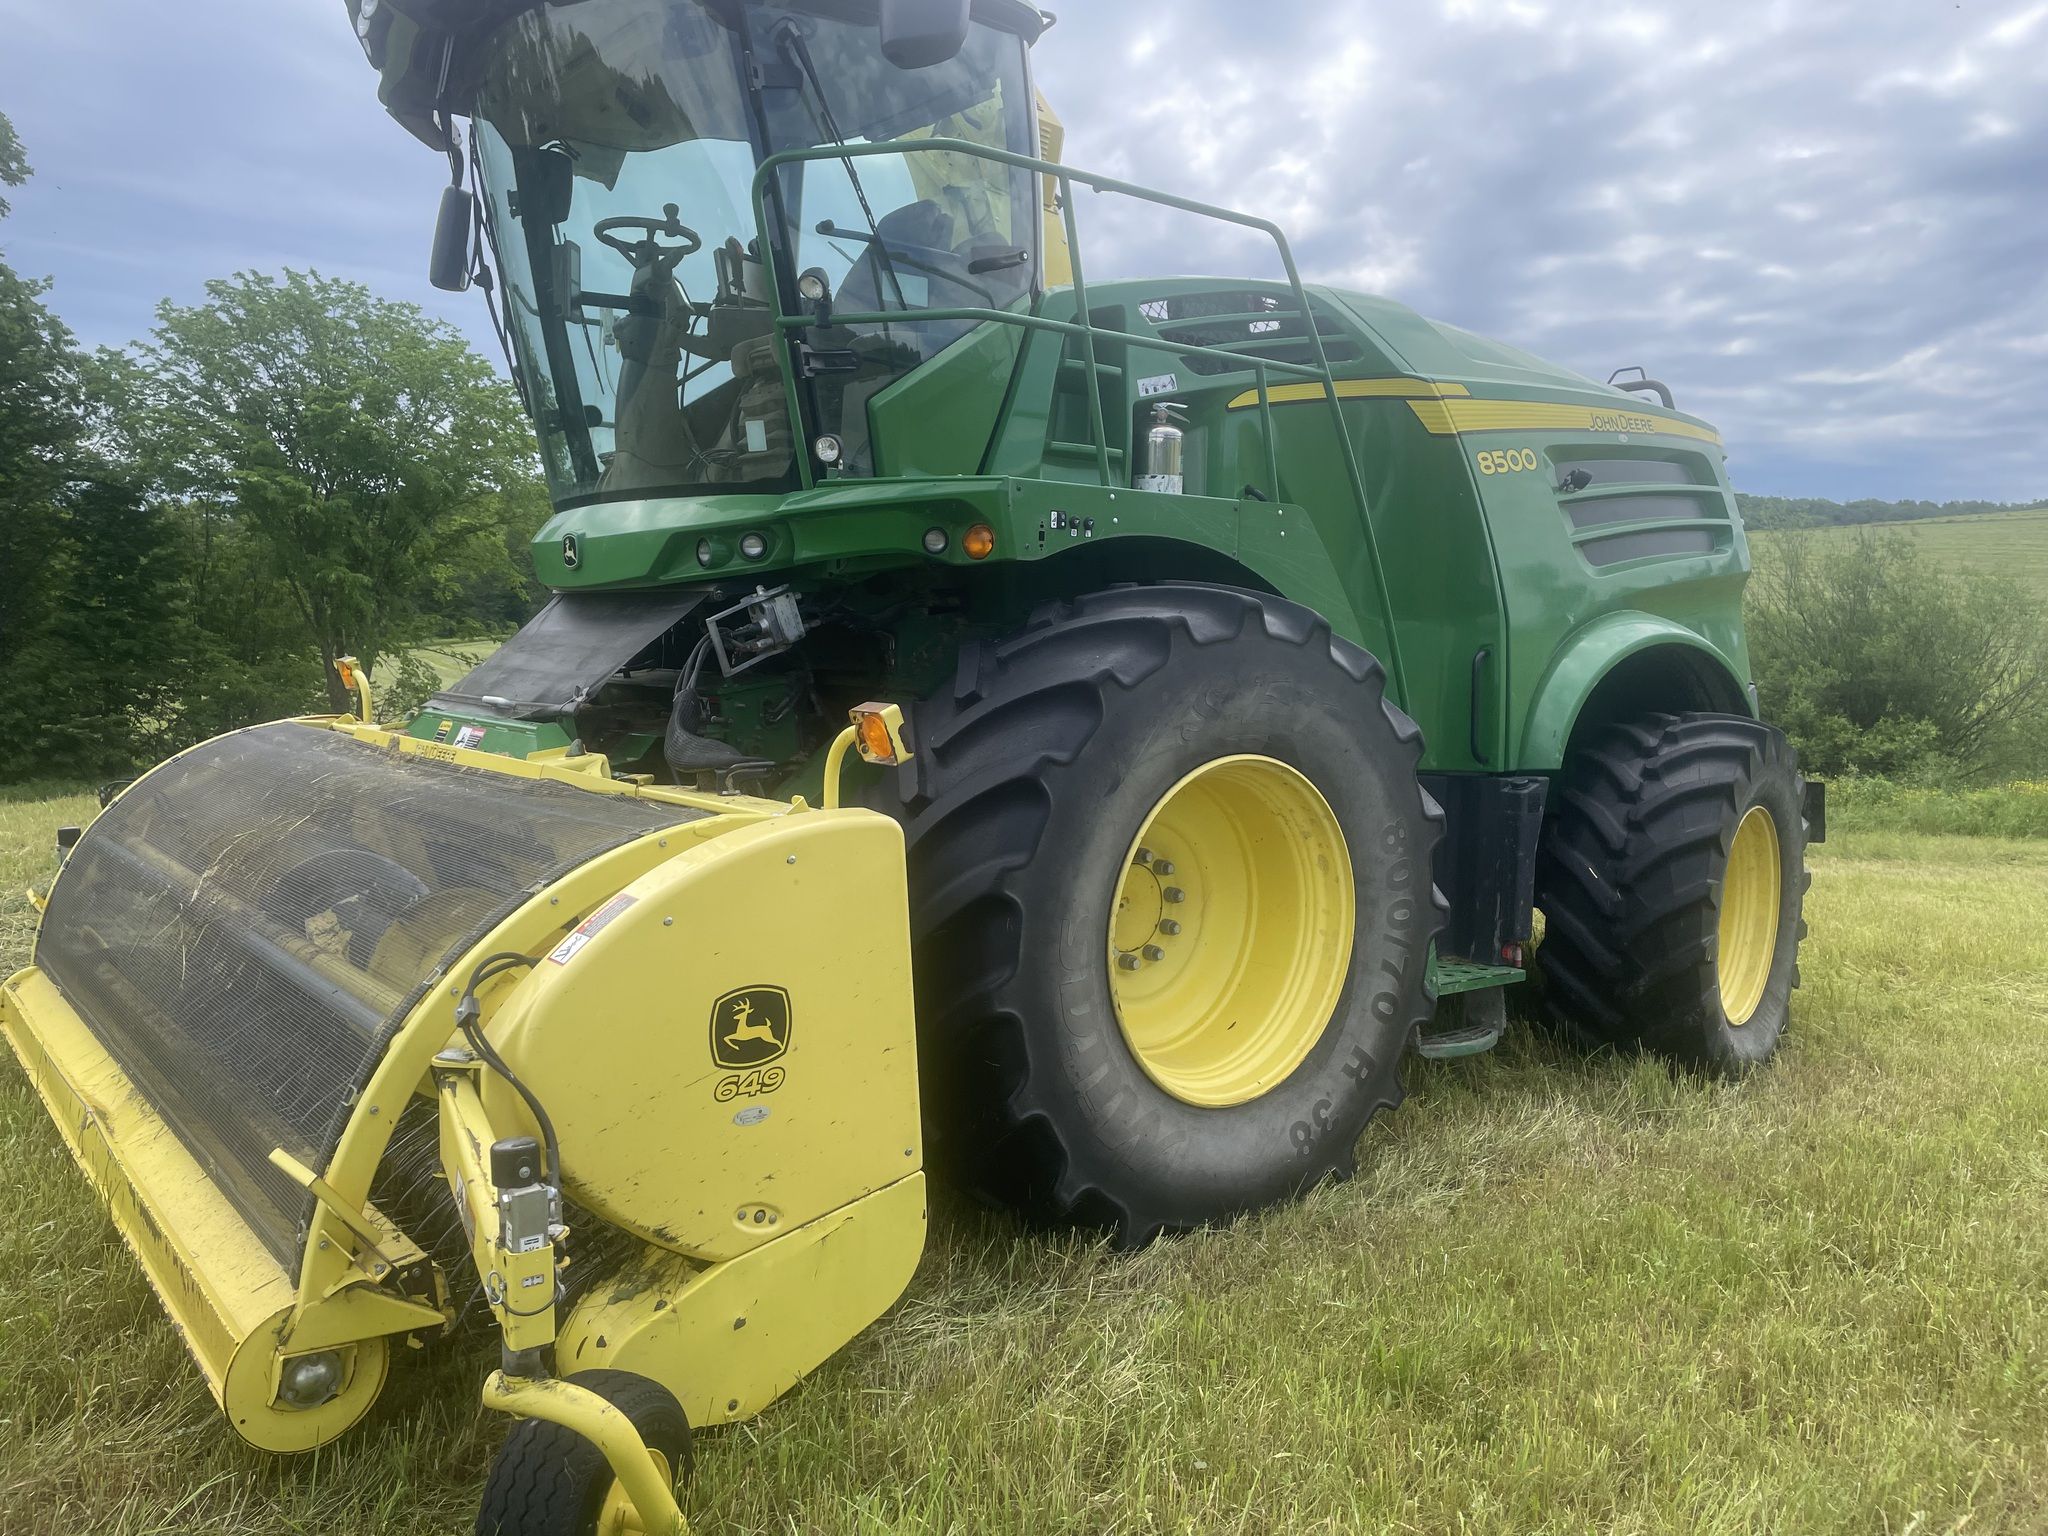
[[1240, 663]]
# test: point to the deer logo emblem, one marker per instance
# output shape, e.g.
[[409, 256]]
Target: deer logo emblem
[[750, 1027]]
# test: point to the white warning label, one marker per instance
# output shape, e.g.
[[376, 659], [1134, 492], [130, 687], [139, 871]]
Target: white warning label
[[589, 929]]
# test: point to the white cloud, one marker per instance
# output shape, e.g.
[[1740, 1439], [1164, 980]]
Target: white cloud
[[1819, 220]]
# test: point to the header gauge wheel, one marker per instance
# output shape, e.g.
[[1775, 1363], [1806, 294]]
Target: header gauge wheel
[[1672, 880], [550, 1481], [1172, 906]]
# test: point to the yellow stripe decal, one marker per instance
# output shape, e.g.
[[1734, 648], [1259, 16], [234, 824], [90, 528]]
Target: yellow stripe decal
[[1352, 389], [1453, 417], [1447, 410]]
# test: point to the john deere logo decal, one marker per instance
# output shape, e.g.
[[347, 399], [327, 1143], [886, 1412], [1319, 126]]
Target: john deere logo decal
[[750, 1027], [572, 552]]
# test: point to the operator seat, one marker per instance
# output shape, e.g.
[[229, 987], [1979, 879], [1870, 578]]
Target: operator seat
[[923, 228], [653, 445], [757, 443]]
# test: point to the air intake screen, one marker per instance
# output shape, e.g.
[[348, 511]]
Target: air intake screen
[[245, 929]]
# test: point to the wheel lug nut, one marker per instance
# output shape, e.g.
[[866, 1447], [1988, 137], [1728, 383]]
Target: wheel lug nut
[[1169, 927], [1176, 894], [1162, 866], [1142, 856], [1154, 953], [1127, 962]]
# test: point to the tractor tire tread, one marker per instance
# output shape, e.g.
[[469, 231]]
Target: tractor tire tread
[[977, 797], [1629, 944]]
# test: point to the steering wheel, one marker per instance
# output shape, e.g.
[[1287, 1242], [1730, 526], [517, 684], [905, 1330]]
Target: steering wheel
[[648, 251]]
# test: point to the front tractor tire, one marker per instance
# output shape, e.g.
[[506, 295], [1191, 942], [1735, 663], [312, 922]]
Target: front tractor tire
[[1672, 877], [1172, 907]]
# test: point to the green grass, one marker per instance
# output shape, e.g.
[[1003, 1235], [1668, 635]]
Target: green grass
[[449, 659], [2004, 810], [1565, 1295], [2011, 544]]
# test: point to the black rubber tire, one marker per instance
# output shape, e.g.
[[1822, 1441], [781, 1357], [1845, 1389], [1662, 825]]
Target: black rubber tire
[[550, 1481], [1031, 777], [1629, 880]]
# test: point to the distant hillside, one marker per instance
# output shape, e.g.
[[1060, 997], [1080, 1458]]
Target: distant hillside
[[1794, 512], [2012, 544]]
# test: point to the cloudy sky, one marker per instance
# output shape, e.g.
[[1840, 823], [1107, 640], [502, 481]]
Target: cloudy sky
[[1822, 222]]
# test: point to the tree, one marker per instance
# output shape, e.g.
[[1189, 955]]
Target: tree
[[111, 661], [1876, 661], [40, 423], [14, 171], [366, 457]]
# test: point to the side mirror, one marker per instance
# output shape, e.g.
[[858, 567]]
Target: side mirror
[[448, 269], [917, 34]]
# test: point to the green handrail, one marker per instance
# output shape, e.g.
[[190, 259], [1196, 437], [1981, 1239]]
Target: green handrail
[[1088, 332]]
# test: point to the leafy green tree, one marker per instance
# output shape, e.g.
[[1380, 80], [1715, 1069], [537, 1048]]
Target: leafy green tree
[[1875, 661], [41, 420], [112, 661], [355, 453], [14, 170]]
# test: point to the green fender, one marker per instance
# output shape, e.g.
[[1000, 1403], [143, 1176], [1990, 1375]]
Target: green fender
[[1585, 658]]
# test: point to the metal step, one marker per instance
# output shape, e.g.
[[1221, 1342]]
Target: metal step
[[1468, 1023]]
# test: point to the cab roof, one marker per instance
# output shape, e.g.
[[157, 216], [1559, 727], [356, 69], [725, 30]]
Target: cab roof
[[425, 50]]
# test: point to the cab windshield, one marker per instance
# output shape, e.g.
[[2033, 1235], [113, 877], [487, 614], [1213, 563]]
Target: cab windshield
[[617, 144]]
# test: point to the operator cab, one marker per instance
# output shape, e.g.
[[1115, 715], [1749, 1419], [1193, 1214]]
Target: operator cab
[[617, 144]]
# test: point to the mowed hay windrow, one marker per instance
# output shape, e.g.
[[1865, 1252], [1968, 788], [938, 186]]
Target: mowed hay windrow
[[1563, 1294]]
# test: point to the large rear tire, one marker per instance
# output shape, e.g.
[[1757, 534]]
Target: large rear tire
[[1672, 878], [1172, 907]]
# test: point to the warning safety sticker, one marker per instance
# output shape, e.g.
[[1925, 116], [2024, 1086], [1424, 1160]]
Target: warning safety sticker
[[590, 928]]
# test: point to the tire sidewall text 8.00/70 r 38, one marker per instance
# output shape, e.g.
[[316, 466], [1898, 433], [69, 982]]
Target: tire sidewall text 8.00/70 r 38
[[1031, 779]]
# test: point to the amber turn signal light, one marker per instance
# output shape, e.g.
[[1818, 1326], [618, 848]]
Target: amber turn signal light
[[878, 733], [875, 745]]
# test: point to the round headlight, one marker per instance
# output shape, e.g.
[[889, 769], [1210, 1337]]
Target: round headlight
[[754, 546], [829, 450], [705, 553], [813, 287], [935, 541]]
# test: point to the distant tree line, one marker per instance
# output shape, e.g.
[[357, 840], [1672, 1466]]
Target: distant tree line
[[195, 527], [1811, 512]]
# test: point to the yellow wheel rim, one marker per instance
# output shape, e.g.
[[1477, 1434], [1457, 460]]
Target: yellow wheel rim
[[1232, 931], [617, 1516], [1749, 916]]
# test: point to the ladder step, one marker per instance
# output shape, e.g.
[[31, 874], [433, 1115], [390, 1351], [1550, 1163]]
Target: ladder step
[[1080, 365], [1469, 1023], [1080, 451], [1455, 1043]]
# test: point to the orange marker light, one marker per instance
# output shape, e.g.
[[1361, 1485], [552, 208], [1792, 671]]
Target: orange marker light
[[875, 744], [980, 542]]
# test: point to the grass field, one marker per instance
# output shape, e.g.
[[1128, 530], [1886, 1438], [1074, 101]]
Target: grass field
[[449, 659], [1995, 543], [1565, 1295]]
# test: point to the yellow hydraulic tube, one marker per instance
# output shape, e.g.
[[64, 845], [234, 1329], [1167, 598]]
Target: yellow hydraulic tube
[[353, 676], [584, 1413]]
